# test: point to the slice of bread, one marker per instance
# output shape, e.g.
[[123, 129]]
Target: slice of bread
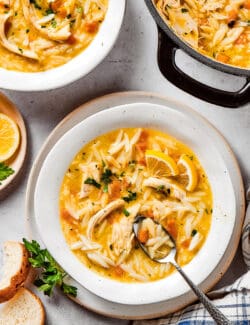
[[15, 269], [25, 308]]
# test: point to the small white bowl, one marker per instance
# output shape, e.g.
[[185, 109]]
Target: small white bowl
[[76, 68], [198, 135]]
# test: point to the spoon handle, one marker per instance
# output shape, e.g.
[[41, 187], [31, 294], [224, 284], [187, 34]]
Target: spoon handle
[[215, 313]]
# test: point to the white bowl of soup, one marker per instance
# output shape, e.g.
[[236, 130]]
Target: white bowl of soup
[[121, 162], [48, 44]]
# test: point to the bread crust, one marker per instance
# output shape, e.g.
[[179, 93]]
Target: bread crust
[[19, 278], [19, 295]]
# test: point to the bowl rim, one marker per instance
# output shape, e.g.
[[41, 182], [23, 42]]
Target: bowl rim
[[76, 68], [227, 68], [109, 297]]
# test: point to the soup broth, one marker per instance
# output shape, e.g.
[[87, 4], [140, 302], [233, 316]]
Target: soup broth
[[122, 174]]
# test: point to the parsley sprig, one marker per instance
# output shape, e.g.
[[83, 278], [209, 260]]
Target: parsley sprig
[[52, 274], [5, 172]]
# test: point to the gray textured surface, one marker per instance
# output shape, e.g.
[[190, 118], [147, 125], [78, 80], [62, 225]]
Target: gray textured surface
[[131, 65]]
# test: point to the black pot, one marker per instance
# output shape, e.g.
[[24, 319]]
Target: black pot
[[169, 43]]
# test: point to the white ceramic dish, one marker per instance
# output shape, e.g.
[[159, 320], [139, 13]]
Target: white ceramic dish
[[76, 68], [167, 119]]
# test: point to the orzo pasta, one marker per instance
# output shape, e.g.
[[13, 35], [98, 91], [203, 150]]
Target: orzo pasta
[[216, 28], [37, 35], [128, 172]]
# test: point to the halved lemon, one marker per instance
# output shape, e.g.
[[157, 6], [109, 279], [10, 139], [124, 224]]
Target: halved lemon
[[9, 137], [160, 164], [188, 173]]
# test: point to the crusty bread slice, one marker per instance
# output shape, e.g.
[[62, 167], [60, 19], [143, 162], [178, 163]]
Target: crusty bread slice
[[25, 308], [15, 269]]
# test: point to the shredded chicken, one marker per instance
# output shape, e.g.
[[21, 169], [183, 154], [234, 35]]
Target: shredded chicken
[[102, 214]]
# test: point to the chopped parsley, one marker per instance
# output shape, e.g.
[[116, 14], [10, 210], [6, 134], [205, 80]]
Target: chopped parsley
[[20, 50], [131, 196], [36, 5], [49, 11], [184, 10], [160, 188], [92, 181], [126, 212], [53, 23], [79, 10], [194, 232], [106, 179], [5, 172]]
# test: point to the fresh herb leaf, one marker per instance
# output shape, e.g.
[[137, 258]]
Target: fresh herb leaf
[[69, 290], [5, 172], [52, 274], [160, 188], [49, 11], [105, 188], [126, 212], [106, 178], [194, 232], [131, 196], [184, 10], [91, 181], [79, 10], [53, 23], [36, 5]]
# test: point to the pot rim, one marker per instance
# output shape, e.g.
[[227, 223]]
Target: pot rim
[[233, 70]]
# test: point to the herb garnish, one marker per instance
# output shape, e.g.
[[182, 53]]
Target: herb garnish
[[184, 10], [92, 181], [131, 196], [49, 11], [53, 23], [126, 212], [52, 274], [36, 5], [5, 172], [106, 179], [194, 232]]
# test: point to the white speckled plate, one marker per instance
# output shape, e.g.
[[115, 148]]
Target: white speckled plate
[[85, 297]]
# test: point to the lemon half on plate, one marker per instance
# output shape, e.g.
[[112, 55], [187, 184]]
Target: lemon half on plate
[[9, 137]]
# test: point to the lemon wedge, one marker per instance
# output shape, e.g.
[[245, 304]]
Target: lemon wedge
[[188, 173], [9, 137], [160, 165]]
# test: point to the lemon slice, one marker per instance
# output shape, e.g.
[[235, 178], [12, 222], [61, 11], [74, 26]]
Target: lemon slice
[[9, 137], [188, 173], [160, 164]]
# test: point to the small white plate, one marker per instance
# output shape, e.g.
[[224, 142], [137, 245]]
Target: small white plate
[[235, 193]]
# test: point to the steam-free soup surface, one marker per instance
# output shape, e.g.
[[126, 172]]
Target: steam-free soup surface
[[39, 35], [128, 172]]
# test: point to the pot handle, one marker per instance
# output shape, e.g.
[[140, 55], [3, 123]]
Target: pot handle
[[166, 60]]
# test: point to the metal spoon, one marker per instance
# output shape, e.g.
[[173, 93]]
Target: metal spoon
[[215, 313]]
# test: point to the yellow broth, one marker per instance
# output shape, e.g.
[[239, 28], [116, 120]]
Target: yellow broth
[[182, 225]]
